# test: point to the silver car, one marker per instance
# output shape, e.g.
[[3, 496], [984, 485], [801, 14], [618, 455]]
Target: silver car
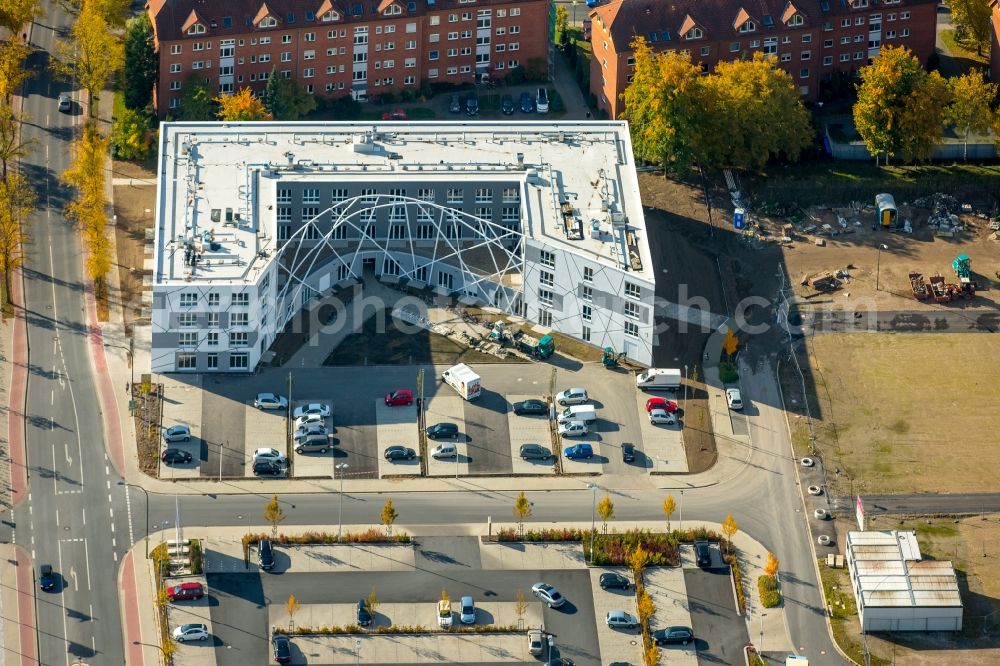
[[535, 643], [177, 433], [572, 396], [270, 401], [190, 632]]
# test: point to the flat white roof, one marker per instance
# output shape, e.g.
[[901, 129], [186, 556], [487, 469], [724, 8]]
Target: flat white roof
[[889, 572], [209, 200]]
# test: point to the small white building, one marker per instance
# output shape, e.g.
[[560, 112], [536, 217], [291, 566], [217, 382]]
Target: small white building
[[896, 590]]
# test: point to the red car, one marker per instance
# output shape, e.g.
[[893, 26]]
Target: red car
[[400, 397], [185, 591], [668, 406], [397, 114]]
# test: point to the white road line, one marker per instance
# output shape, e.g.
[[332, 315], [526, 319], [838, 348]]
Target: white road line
[[57, 517], [62, 600], [86, 552], [115, 553], [84, 515], [112, 526], [112, 513], [109, 484], [55, 475], [128, 512], [52, 397], [109, 499]]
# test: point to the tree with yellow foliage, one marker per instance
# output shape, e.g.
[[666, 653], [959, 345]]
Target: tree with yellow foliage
[[13, 72], [242, 106], [91, 55], [772, 565], [969, 107], [17, 200], [14, 14]]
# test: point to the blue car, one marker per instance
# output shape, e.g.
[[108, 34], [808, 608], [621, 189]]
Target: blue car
[[579, 452], [527, 103]]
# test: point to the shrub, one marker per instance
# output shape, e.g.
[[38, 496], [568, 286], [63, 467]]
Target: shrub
[[770, 597], [197, 557], [734, 566], [310, 538], [556, 103], [728, 373]]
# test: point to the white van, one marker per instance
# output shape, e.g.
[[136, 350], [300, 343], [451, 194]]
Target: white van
[[542, 101], [583, 413], [464, 380], [663, 379]]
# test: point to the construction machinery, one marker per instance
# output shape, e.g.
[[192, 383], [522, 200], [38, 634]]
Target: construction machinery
[[919, 286], [945, 292], [538, 348], [963, 268], [610, 359]]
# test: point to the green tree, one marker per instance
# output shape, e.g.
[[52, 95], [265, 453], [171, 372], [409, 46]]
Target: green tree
[[562, 24], [14, 14], [973, 18], [969, 107], [141, 62], [669, 507], [242, 106], [606, 510], [131, 135], [372, 603], [197, 102], [91, 55], [900, 107], [286, 99], [13, 71], [522, 510], [756, 114], [388, 516], [17, 200], [666, 106], [274, 514]]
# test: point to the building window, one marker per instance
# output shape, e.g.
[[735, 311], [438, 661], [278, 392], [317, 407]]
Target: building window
[[267, 22], [544, 316], [587, 312], [241, 298], [807, 38], [632, 329], [547, 258], [484, 195], [175, 68], [770, 45], [694, 33], [186, 362], [588, 274], [546, 278], [510, 214], [748, 26], [284, 214], [189, 299], [786, 57], [213, 319], [631, 310], [212, 361], [905, 32], [631, 290], [213, 298], [239, 319], [705, 50], [827, 43], [796, 20], [805, 55], [845, 57], [734, 47], [188, 339], [239, 361], [587, 293], [212, 338], [585, 334], [239, 339], [827, 60], [456, 195], [511, 195], [187, 319]]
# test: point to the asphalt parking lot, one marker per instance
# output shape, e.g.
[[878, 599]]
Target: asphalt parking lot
[[720, 633]]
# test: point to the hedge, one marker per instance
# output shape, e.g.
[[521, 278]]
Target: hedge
[[770, 596], [371, 535]]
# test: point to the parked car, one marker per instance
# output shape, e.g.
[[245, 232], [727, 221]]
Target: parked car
[[282, 648], [65, 103], [176, 457], [617, 619], [579, 452], [268, 468], [185, 591], [312, 408], [446, 450], [395, 114], [308, 420], [657, 402], [274, 455], [682, 635], [364, 616], [190, 632], [310, 429], [628, 452], [535, 643], [265, 555], [455, 104], [527, 103], [573, 429], [734, 398], [472, 104], [573, 396], [400, 397], [703, 554], [662, 417], [531, 407], [548, 594], [443, 431], [468, 614], [46, 579], [542, 101], [507, 105], [614, 580], [315, 444], [270, 401], [177, 433], [394, 453], [534, 452]]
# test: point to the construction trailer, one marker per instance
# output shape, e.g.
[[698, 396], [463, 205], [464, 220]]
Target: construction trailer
[[886, 212]]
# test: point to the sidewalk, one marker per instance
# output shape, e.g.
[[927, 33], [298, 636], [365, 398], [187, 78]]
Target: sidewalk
[[17, 605]]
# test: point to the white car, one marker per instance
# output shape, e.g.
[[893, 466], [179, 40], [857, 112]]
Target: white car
[[573, 429], [446, 450], [177, 433], [662, 416], [270, 401], [573, 396], [734, 398], [307, 420], [312, 408], [548, 594], [190, 632], [273, 455], [535, 643]]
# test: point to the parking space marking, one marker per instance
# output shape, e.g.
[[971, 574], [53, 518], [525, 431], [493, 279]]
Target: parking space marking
[[668, 591], [396, 426], [623, 644], [194, 653], [662, 444], [593, 465], [183, 408], [529, 429], [447, 409], [314, 463], [265, 428]]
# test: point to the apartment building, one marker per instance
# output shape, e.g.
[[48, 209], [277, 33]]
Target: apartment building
[[811, 38], [254, 221], [340, 48]]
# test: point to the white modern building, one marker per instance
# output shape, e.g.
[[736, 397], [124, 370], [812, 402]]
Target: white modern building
[[896, 590], [541, 220]]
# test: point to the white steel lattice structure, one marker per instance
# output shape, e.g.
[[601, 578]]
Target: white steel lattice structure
[[540, 220]]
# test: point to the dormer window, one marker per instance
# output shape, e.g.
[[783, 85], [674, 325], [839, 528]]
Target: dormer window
[[796, 20], [268, 22], [694, 33], [196, 29], [330, 16], [748, 26], [392, 10]]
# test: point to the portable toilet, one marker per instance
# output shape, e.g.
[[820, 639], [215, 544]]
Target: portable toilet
[[885, 209]]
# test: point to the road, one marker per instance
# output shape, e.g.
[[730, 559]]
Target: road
[[926, 504], [75, 516]]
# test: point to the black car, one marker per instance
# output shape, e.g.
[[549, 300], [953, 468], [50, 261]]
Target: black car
[[703, 554], [527, 103], [46, 579], [682, 635], [267, 468], [472, 105], [614, 580], [443, 431], [175, 457], [534, 452], [399, 453], [282, 648], [628, 452], [265, 555], [455, 104], [507, 105], [531, 407], [364, 616]]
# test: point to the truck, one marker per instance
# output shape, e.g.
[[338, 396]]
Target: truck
[[659, 379], [462, 378], [539, 348]]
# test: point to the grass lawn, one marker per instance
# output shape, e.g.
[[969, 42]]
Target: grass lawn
[[394, 347], [962, 49], [907, 413], [843, 613]]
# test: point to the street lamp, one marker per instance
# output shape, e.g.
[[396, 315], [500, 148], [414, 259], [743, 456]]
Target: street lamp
[[878, 263], [760, 646], [154, 645], [593, 520], [552, 639], [681, 521], [575, 3], [340, 518]]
